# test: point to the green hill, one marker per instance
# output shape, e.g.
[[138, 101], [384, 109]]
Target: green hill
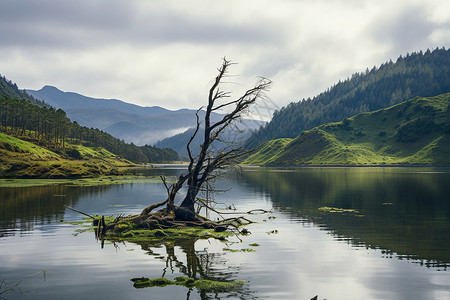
[[51, 128], [413, 132], [23, 159], [417, 74]]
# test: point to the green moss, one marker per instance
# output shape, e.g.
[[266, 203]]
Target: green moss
[[87, 221], [218, 286], [144, 282], [129, 231], [122, 227], [212, 286], [185, 281]]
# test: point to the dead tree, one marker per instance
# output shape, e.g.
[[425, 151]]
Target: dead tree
[[209, 163]]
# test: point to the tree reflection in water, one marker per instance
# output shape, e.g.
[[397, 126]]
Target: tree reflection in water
[[197, 264]]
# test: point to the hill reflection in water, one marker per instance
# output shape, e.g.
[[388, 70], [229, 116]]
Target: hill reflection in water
[[404, 211]]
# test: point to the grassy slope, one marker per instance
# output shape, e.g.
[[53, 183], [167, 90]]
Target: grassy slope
[[269, 151], [413, 132], [22, 159]]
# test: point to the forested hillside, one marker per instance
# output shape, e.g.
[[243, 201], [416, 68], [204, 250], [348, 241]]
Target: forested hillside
[[9, 88], [412, 132], [52, 129], [417, 74]]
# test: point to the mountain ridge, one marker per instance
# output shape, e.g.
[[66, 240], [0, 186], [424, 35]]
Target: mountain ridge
[[417, 74], [70, 100], [150, 123]]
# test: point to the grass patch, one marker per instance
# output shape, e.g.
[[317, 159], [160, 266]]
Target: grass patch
[[23, 159], [267, 152], [15, 183]]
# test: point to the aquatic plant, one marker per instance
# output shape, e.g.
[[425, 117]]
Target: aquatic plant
[[206, 285]]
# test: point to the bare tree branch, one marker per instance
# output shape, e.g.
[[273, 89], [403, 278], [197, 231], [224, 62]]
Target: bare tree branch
[[211, 162], [188, 146]]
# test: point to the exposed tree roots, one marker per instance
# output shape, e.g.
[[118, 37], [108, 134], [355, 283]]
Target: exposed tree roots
[[177, 217]]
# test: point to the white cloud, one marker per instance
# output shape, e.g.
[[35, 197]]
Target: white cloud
[[166, 52]]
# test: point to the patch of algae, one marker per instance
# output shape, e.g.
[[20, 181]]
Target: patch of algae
[[239, 250], [205, 285], [340, 211]]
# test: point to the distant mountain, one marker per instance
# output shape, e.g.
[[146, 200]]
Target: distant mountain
[[132, 123], [413, 132], [417, 74], [178, 142], [70, 100]]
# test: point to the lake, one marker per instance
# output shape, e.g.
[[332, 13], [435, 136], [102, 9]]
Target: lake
[[340, 233]]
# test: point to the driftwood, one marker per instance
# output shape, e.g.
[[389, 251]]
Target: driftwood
[[100, 223], [79, 212]]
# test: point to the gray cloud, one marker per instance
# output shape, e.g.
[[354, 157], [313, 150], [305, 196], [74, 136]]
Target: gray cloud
[[96, 23], [166, 52], [408, 31], [55, 24]]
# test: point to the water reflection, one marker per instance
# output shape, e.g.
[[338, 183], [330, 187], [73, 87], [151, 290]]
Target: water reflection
[[22, 209], [405, 216], [25, 208], [402, 210], [181, 257]]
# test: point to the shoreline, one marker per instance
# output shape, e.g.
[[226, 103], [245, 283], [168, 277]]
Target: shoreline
[[347, 166]]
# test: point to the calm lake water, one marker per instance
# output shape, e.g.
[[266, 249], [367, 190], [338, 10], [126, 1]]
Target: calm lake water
[[387, 238]]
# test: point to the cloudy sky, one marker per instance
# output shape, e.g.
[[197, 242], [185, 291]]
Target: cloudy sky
[[164, 52]]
